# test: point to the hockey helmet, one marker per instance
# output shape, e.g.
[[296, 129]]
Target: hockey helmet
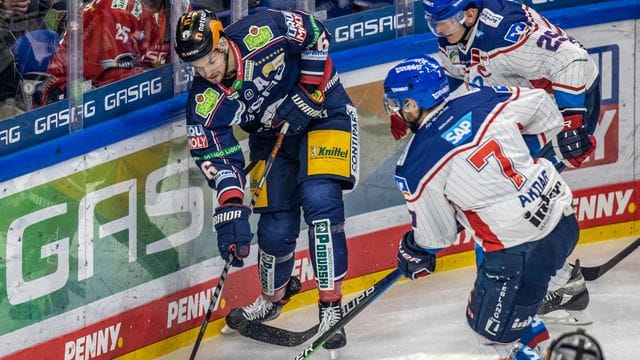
[[442, 10], [421, 79], [197, 34], [575, 345]]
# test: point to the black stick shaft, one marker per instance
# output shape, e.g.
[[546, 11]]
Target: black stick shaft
[[227, 265], [366, 298]]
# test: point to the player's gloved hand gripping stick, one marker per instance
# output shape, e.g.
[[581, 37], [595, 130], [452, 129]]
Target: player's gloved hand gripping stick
[[216, 294]]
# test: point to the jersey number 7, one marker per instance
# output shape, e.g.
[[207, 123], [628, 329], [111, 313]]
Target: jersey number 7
[[480, 158]]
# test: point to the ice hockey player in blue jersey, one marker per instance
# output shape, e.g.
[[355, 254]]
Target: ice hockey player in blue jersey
[[259, 72], [467, 163], [505, 43]]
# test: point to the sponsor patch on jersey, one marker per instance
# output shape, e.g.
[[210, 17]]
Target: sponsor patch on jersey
[[329, 152], [295, 26], [502, 89], [206, 102], [490, 18], [197, 137], [257, 37], [453, 54], [119, 4], [516, 32], [460, 131], [136, 11], [403, 185]]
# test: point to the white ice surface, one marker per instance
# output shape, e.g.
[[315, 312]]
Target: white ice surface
[[427, 316]]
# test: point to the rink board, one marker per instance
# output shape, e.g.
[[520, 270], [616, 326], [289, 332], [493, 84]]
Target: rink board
[[112, 251]]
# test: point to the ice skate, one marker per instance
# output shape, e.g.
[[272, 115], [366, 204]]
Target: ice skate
[[261, 310], [330, 313], [568, 304]]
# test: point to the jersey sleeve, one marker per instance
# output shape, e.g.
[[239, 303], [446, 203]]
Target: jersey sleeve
[[212, 144], [537, 113], [309, 37], [435, 225]]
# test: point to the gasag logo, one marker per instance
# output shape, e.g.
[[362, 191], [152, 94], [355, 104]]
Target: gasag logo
[[460, 131]]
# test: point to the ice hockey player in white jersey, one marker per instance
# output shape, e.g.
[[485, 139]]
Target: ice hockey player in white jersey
[[505, 43], [467, 163]]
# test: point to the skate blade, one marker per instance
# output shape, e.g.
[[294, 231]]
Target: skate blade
[[333, 354], [226, 330], [568, 317]]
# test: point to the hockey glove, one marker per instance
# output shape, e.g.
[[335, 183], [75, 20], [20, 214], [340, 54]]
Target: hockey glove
[[573, 144], [299, 108], [399, 128], [413, 261], [234, 233]]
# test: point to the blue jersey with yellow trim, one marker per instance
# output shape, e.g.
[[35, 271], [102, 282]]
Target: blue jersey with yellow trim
[[273, 51]]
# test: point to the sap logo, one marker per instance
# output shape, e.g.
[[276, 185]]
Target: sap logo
[[373, 27], [460, 131], [95, 344]]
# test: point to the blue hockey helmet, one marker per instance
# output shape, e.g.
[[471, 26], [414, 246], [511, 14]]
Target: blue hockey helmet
[[421, 79], [442, 10]]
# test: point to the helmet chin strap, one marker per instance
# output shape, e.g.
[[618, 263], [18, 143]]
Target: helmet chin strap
[[467, 29], [413, 125]]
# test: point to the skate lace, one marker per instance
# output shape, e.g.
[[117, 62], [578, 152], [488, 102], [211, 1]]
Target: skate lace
[[330, 317], [258, 309]]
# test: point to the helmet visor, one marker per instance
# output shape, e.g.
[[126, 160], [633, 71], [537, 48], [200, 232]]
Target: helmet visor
[[444, 27], [391, 106]]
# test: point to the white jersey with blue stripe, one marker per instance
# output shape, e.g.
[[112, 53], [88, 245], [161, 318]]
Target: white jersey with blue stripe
[[468, 162], [513, 45]]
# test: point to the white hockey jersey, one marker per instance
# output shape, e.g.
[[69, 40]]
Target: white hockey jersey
[[468, 161], [513, 45]]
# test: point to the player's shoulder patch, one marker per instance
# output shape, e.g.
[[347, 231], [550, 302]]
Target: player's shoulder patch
[[516, 32], [490, 18], [257, 37], [206, 102], [502, 89], [403, 185], [295, 26], [460, 131]]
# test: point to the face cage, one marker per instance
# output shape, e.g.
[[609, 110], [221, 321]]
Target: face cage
[[431, 23], [391, 106]]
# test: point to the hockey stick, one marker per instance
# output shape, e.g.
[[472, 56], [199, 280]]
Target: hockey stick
[[359, 303], [227, 265], [592, 273], [277, 336]]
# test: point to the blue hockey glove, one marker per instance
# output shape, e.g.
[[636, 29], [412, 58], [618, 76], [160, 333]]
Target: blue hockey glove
[[299, 108], [234, 232], [573, 144], [413, 261]]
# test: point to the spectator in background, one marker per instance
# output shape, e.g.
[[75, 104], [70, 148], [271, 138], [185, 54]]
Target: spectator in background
[[120, 39], [17, 17]]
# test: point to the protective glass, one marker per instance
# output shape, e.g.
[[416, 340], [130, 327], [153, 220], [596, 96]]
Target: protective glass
[[391, 106], [441, 27]]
